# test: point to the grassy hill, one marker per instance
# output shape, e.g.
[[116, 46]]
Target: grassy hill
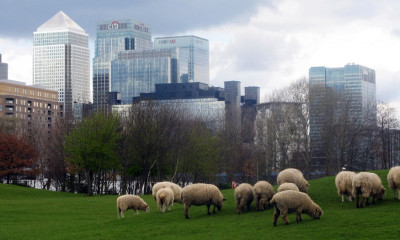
[[27, 213]]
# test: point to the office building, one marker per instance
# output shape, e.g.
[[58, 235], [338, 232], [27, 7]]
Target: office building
[[251, 96], [134, 72], [61, 59], [193, 57], [114, 37], [36, 106], [353, 90], [3, 70]]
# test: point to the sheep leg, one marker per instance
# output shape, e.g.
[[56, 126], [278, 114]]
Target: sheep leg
[[208, 209], [362, 202], [357, 198], [136, 211], [186, 212], [214, 211], [122, 214], [118, 210], [342, 197], [239, 209], [298, 218], [367, 201], [398, 194], [285, 220], [276, 215]]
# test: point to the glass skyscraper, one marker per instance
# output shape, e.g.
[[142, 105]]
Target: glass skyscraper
[[353, 85], [112, 38], [61, 59], [193, 65], [138, 72]]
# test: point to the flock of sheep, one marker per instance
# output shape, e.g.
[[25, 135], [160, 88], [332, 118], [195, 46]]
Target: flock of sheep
[[291, 195]]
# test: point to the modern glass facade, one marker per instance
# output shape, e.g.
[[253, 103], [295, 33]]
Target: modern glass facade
[[353, 85], [210, 110], [112, 38], [61, 59], [138, 72], [193, 65]]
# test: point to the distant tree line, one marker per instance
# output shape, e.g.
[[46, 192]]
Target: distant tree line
[[113, 154]]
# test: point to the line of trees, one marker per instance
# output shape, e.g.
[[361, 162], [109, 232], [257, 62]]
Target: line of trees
[[110, 154]]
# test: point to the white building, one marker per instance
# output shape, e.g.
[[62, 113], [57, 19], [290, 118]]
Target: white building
[[61, 59]]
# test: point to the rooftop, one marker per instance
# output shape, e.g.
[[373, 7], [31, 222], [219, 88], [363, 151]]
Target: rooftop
[[60, 22]]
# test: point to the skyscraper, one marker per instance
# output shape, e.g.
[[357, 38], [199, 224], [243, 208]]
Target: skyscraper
[[3, 70], [193, 64], [112, 38], [61, 59], [353, 89]]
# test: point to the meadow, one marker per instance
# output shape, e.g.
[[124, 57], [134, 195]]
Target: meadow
[[27, 213]]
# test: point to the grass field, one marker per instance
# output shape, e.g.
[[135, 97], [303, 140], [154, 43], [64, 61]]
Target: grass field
[[27, 213]]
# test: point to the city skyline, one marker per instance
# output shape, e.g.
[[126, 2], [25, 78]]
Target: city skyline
[[286, 38]]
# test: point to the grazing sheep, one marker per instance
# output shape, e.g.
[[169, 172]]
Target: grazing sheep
[[263, 193], [368, 185], [244, 195], [134, 202], [343, 182], [292, 201], [393, 179], [165, 198], [175, 188], [288, 186], [202, 194], [292, 175]]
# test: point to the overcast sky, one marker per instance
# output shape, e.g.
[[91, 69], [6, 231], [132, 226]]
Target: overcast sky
[[259, 43]]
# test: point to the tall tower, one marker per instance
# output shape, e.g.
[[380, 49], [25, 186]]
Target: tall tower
[[193, 64], [61, 59], [352, 88], [3, 70], [114, 37]]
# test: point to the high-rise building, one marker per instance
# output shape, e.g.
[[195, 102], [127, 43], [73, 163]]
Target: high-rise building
[[352, 87], [251, 96], [3, 70], [114, 37], [136, 72], [193, 57], [61, 59]]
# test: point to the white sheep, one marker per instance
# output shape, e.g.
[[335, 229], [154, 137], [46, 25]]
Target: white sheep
[[292, 201], [292, 175], [244, 195], [175, 188], [343, 182], [134, 202], [368, 185], [393, 179], [263, 193], [165, 198], [288, 186], [202, 194]]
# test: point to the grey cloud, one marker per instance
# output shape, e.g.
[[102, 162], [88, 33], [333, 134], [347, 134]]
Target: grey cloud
[[21, 18]]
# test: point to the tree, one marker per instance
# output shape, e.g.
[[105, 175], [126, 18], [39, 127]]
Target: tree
[[17, 156], [92, 147]]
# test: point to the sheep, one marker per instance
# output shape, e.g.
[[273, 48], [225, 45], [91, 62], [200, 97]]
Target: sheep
[[288, 186], [368, 185], [393, 179], [165, 198], [343, 182], [263, 193], [175, 188], [292, 175], [134, 202], [292, 201], [244, 195], [202, 194]]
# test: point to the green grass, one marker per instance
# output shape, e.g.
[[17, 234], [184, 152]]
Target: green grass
[[27, 213]]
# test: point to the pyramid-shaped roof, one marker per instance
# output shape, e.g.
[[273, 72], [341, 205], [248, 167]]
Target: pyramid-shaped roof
[[60, 22]]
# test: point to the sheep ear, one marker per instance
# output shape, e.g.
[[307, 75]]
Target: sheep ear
[[224, 199]]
